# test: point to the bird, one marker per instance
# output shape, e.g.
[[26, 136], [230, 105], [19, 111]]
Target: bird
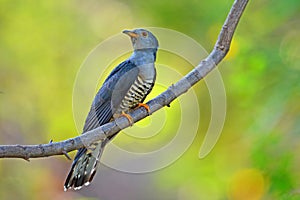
[[125, 88]]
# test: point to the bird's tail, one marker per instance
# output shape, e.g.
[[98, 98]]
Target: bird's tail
[[84, 166]]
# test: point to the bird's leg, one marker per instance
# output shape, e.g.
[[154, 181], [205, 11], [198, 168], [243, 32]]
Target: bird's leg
[[128, 117], [145, 106]]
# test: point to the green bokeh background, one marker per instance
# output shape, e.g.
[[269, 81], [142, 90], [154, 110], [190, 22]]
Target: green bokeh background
[[43, 44]]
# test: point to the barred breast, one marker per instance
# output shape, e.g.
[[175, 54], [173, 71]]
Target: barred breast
[[136, 94]]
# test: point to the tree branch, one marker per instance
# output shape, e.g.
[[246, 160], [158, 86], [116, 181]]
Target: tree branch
[[220, 50]]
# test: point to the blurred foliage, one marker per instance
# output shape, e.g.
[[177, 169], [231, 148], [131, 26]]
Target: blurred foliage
[[43, 43]]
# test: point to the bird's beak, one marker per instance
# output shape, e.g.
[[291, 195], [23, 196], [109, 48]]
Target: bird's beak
[[131, 33]]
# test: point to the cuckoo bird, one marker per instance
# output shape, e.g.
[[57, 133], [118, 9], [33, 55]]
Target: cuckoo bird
[[125, 88]]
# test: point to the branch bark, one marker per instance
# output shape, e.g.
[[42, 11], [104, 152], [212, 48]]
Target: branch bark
[[219, 51]]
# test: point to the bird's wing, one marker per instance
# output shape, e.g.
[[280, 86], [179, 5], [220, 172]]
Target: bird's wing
[[111, 94]]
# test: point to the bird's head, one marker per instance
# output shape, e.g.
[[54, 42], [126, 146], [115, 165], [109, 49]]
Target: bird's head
[[142, 39]]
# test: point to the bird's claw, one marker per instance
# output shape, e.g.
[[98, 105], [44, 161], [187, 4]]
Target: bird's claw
[[128, 117], [144, 106]]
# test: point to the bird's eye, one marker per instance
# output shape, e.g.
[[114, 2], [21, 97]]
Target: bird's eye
[[145, 34]]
